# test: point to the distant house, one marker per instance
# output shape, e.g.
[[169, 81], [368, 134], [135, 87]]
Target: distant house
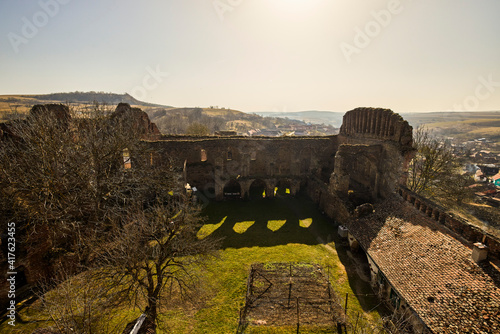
[[496, 179], [301, 133], [269, 133], [479, 176], [489, 169], [484, 189], [226, 133]]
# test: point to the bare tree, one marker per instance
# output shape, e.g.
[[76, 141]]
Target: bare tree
[[60, 165], [65, 183], [155, 255], [435, 171], [61, 173]]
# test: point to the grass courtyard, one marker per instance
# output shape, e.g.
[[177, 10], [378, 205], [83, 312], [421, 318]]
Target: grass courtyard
[[279, 230]]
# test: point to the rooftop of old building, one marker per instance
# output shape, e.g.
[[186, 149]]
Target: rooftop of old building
[[431, 269]]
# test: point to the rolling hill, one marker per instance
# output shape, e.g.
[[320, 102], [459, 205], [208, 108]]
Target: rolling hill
[[170, 120], [459, 125], [174, 120], [10, 105]]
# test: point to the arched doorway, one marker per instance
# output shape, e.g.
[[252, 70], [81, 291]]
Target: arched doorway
[[257, 189], [283, 188], [232, 189]]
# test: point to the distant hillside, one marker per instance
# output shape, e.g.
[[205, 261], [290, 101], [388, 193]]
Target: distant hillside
[[178, 120], [170, 120], [459, 125], [418, 118], [20, 104], [101, 97], [332, 118]]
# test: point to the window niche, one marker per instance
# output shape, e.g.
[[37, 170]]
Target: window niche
[[127, 164]]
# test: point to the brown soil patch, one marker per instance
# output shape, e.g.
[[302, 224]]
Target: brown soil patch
[[286, 294]]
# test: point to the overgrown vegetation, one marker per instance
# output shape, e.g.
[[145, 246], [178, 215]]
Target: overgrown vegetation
[[78, 208], [435, 172]]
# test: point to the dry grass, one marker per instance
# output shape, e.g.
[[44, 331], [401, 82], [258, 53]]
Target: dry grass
[[226, 277], [220, 112]]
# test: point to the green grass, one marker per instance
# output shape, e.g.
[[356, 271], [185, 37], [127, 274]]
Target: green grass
[[305, 235], [207, 229], [242, 227], [305, 222], [275, 225]]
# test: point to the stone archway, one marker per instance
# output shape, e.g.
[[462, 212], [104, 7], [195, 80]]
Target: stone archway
[[232, 189], [258, 189], [283, 188]]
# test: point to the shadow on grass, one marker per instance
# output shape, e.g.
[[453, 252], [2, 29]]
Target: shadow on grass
[[367, 298], [265, 215], [321, 231]]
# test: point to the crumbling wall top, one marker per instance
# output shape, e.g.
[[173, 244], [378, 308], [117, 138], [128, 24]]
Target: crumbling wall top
[[147, 129], [377, 123]]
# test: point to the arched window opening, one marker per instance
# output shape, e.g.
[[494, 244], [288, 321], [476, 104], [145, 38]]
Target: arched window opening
[[127, 163]]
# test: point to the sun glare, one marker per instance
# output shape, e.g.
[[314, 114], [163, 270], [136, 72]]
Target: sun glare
[[294, 7]]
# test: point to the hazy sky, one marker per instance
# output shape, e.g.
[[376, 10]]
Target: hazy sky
[[258, 55]]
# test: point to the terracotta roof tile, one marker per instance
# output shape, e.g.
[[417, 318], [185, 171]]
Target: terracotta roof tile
[[432, 271]]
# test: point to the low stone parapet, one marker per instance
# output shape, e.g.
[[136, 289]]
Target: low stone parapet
[[460, 226]]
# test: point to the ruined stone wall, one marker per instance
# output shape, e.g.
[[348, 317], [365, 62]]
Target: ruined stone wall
[[140, 120], [330, 203], [357, 169], [374, 152], [211, 162], [367, 157]]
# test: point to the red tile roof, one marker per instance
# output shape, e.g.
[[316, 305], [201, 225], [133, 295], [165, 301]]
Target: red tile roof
[[431, 270]]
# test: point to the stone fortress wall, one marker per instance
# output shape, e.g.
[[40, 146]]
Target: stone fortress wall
[[365, 161]]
